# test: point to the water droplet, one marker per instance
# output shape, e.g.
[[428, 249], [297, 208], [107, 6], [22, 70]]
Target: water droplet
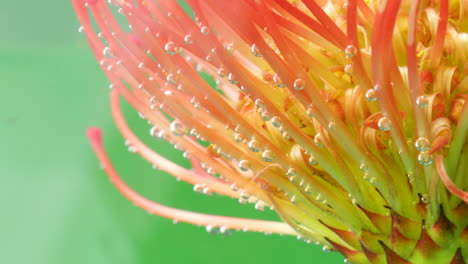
[[371, 96], [225, 231], [348, 69], [260, 206], [291, 172], [170, 48], [141, 65], [234, 187], [255, 50], [198, 188], [204, 30], [299, 84], [177, 128], [286, 135], [232, 79], [245, 195], [239, 138], [195, 103], [213, 230], [384, 124], [373, 180], [107, 52], [293, 199], [244, 165], [318, 140], [313, 160], [366, 176], [310, 111], [206, 191], [188, 39], [275, 121], [425, 198], [332, 125], [425, 158], [410, 176], [230, 47], [222, 72], [363, 167], [265, 115], [259, 103], [422, 144], [350, 51], [422, 101], [254, 145], [277, 80], [293, 179], [268, 155], [81, 29], [171, 78]]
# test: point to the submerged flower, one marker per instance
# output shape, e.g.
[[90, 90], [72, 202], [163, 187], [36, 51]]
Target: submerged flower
[[349, 118]]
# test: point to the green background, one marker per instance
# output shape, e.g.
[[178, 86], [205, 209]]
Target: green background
[[57, 205]]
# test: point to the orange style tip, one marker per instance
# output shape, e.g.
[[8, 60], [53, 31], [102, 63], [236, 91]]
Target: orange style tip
[[94, 135], [438, 144]]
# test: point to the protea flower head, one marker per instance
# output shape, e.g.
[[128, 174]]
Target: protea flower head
[[349, 118]]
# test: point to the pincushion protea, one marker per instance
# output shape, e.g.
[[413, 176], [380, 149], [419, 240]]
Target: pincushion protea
[[349, 118]]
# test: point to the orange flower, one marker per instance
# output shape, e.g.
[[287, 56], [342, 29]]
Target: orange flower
[[346, 117]]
